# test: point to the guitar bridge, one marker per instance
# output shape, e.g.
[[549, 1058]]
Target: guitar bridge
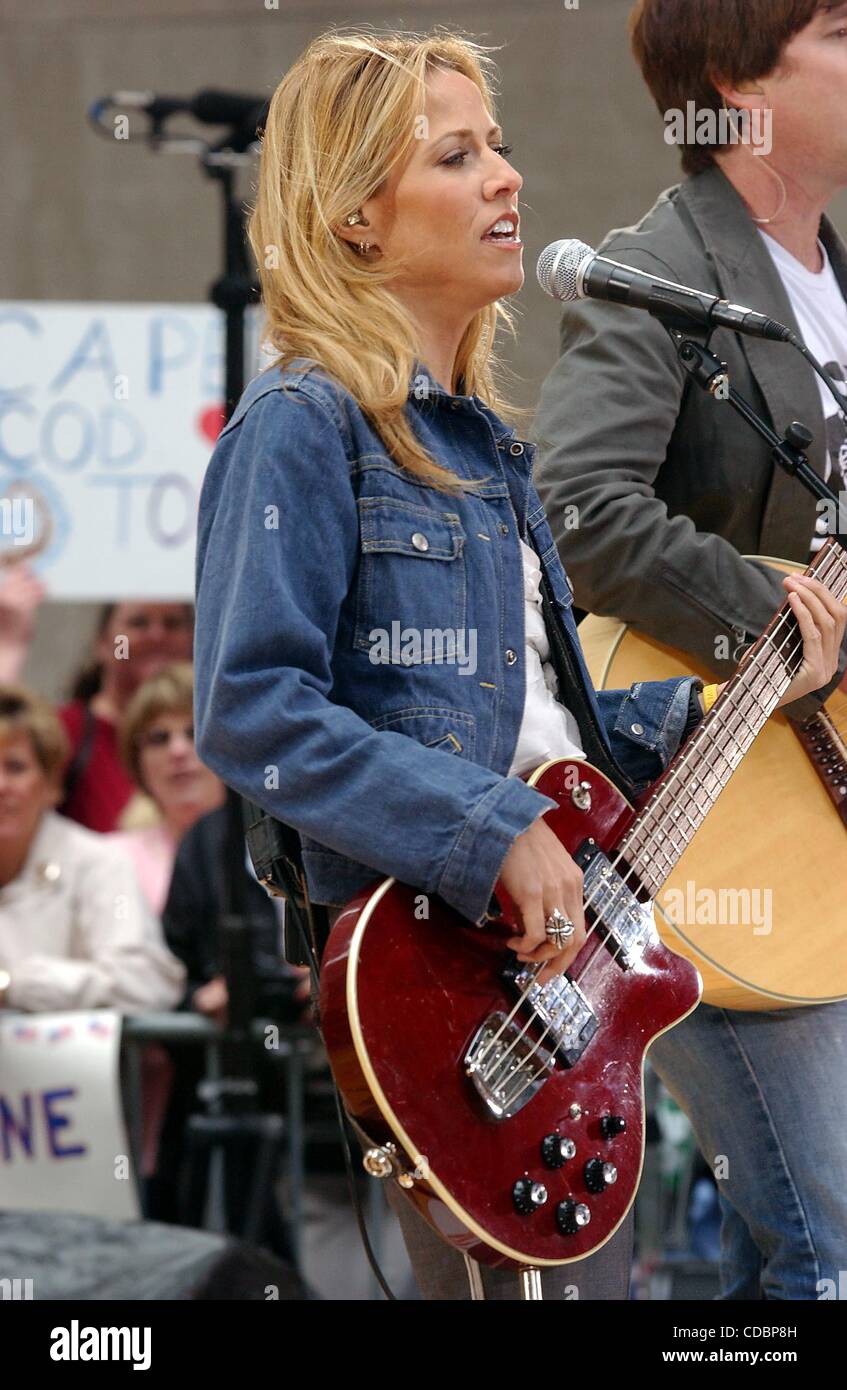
[[506, 1065], [825, 748]]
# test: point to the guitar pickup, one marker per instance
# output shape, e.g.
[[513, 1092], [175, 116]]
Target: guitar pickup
[[569, 1020]]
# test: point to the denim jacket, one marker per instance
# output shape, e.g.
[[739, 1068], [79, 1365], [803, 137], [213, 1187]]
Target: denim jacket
[[359, 648]]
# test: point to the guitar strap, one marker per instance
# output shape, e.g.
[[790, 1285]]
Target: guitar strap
[[277, 860], [572, 694]]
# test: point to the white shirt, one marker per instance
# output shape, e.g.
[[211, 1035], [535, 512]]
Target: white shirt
[[548, 730], [76, 931], [821, 313]]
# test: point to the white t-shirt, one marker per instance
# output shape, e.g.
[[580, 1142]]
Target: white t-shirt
[[548, 730], [821, 313]]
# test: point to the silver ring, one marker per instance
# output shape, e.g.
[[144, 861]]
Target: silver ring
[[559, 929]]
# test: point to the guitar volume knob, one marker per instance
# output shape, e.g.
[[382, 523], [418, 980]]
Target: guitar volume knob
[[612, 1125], [528, 1196], [555, 1150], [599, 1175], [571, 1217]]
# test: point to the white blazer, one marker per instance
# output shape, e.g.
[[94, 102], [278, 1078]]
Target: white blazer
[[76, 931]]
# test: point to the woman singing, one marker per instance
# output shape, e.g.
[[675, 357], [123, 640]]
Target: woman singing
[[373, 665]]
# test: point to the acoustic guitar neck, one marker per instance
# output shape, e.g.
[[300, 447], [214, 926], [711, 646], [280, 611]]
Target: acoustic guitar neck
[[679, 804]]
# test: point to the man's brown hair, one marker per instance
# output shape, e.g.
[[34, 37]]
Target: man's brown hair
[[681, 45]]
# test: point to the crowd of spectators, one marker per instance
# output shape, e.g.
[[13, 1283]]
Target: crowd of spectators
[[120, 850]]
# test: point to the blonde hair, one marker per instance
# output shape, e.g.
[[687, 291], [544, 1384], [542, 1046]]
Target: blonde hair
[[340, 120], [171, 691], [24, 712]]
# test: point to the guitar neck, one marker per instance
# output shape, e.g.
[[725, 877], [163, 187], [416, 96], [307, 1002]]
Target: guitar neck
[[670, 819]]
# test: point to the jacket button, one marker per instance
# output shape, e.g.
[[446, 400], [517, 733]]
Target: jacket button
[[511, 657], [516, 448], [419, 541], [503, 529], [637, 729]]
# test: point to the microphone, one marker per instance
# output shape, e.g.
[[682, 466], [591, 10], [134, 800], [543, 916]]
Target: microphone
[[209, 107], [570, 270], [228, 108]]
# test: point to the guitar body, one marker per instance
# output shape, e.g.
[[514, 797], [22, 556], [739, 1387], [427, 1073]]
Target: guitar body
[[407, 989], [776, 827]]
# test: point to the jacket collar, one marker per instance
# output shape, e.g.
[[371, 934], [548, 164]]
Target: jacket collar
[[427, 393], [424, 387], [515, 468]]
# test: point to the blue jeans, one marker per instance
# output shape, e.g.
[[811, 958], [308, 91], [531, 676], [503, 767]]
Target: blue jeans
[[766, 1094]]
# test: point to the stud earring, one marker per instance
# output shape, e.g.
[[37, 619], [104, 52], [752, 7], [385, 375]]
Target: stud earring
[[364, 247], [355, 219]]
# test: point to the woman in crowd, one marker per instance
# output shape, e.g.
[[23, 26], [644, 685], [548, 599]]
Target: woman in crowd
[[134, 641], [75, 930], [156, 744]]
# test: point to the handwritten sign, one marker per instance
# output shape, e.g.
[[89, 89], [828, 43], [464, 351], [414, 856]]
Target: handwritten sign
[[108, 415], [63, 1145]]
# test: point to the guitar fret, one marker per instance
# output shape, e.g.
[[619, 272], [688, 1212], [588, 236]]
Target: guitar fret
[[662, 853], [787, 676], [680, 810], [650, 878]]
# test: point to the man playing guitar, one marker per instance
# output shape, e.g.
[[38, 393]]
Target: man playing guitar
[[673, 491]]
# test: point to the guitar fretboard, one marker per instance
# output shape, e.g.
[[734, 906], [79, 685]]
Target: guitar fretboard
[[666, 825]]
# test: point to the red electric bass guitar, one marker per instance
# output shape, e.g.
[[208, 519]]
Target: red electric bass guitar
[[512, 1113]]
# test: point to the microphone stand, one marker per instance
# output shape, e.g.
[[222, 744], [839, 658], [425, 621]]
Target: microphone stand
[[235, 289], [234, 1123], [788, 452]]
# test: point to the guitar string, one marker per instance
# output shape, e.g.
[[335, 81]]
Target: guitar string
[[825, 571], [831, 724], [624, 889], [598, 955], [736, 733]]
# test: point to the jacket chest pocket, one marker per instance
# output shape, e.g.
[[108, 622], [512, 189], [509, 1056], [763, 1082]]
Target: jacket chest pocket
[[411, 573]]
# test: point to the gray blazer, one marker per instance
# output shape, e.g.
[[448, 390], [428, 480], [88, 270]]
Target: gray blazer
[[672, 487]]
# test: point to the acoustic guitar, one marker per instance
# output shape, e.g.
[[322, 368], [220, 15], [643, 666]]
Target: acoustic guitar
[[759, 901], [512, 1113]]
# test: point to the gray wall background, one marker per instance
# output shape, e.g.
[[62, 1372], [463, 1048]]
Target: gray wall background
[[83, 217]]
